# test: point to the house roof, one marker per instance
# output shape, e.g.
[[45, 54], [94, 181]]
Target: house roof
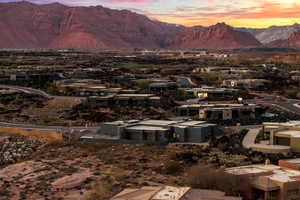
[[171, 193], [144, 193]]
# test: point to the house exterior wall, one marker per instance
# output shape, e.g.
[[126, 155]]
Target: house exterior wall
[[194, 135], [160, 133], [111, 130], [295, 144], [180, 134], [227, 114], [144, 136], [289, 190], [284, 140], [289, 165]]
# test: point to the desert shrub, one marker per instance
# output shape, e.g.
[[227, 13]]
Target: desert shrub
[[98, 192], [172, 167], [93, 147], [143, 84], [182, 95], [208, 177], [291, 92], [188, 157], [4, 189]]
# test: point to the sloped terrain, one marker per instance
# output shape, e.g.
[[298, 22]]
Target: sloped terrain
[[292, 42], [27, 25], [219, 36]]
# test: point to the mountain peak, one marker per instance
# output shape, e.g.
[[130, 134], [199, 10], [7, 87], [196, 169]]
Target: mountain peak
[[25, 3], [222, 24], [59, 26]]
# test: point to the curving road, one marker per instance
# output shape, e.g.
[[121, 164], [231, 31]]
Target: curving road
[[29, 90], [26, 90], [290, 105], [249, 143], [250, 137], [59, 129]]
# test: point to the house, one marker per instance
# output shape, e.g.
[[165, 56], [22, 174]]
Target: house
[[188, 110], [224, 112], [160, 131], [85, 87], [226, 70], [126, 99], [163, 87], [283, 134], [137, 99], [171, 193], [245, 83], [269, 181], [212, 93]]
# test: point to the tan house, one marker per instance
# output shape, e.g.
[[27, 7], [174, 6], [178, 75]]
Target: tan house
[[230, 112], [283, 134], [245, 83], [171, 193], [271, 182]]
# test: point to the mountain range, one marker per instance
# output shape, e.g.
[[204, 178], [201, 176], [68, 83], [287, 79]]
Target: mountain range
[[273, 33], [27, 25]]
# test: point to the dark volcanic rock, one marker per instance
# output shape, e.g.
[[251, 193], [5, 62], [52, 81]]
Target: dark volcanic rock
[[13, 149]]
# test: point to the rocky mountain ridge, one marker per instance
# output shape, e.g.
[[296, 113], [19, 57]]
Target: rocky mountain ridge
[[28, 25]]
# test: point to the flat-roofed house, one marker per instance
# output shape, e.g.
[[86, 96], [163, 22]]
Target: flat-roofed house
[[283, 134], [245, 83], [160, 131], [230, 112], [271, 181], [171, 193], [212, 93]]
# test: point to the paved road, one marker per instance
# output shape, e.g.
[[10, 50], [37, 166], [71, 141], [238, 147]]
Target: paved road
[[249, 139], [51, 128], [288, 105], [29, 90], [26, 90], [249, 143]]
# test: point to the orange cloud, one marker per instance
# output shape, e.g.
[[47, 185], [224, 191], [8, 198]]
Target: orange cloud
[[264, 13]]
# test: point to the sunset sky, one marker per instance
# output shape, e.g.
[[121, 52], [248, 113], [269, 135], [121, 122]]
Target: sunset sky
[[239, 13]]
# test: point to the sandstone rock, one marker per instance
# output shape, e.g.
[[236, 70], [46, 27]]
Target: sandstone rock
[[27, 25], [292, 42], [219, 36]]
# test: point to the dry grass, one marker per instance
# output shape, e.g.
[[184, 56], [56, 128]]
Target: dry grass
[[39, 135]]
